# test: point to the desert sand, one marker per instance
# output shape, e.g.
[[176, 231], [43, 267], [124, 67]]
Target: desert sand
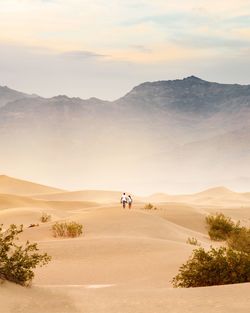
[[126, 259]]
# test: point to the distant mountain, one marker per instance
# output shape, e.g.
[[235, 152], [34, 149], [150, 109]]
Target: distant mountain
[[8, 95], [187, 132], [190, 95]]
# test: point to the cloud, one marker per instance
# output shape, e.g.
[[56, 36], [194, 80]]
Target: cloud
[[141, 48], [121, 28], [238, 21], [210, 41], [118, 43], [83, 54]]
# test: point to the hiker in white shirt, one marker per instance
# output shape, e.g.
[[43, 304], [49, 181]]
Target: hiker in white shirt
[[124, 200]]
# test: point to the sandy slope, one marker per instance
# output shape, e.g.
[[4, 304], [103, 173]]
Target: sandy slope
[[119, 247], [12, 201], [123, 263], [80, 299], [10, 185], [101, 196], [218, 197]]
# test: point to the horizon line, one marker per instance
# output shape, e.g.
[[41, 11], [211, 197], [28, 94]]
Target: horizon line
[[142, 83]]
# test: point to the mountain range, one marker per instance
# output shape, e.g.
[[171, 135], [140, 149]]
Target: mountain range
[[174, 136]]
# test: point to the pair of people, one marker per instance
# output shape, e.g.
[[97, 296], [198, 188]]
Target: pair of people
[[126, 199]]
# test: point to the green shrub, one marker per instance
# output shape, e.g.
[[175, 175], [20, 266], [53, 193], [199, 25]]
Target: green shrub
[[45, 218], [215, 267], [17, 262], [192, 241], [148, 206], [67, 229], [239, 239], [219, 226]]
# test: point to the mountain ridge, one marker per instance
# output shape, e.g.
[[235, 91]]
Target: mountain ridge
[[189, 79], [186, 129]]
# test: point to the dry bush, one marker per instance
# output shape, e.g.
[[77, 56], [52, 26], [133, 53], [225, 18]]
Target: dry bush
[[17, 262], [215, 267], [45, 217], [239, 239], [221, 266], [192, 241], [148, 206], [220, 226], [74, 229], [67, 229]]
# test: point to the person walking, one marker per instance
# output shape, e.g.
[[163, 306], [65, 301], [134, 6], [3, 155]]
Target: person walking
[[130, 202], [124, 200]]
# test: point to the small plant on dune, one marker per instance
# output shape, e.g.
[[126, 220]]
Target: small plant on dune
[[74, 229], [148, 206], [220, 226], [67, 229], [59, 229], [45, 217], [239, 239], [214, 267], [192, 241], [17, 262], [223, 228]]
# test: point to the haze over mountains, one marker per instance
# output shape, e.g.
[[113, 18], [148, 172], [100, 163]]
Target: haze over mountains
[[172, 136]]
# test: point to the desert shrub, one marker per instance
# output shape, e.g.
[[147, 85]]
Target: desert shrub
[[192, 241], [239, 239], [59, 229], [67, 229], [215, 267], [74, 229], [45, 217], [148, 206], [219, 226], [17, 262]]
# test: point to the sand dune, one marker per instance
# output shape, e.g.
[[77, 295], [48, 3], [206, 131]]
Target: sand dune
[[216, 192], [101, 196], [80, 299], [12, 201], [192, 218], [125, 260], [9, 185], [218, 196], [118, 247]]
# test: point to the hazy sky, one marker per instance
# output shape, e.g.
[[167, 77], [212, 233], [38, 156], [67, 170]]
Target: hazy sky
[[104, 48]]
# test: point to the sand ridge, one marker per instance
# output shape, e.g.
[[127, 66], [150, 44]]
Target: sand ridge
[[10, 185]]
